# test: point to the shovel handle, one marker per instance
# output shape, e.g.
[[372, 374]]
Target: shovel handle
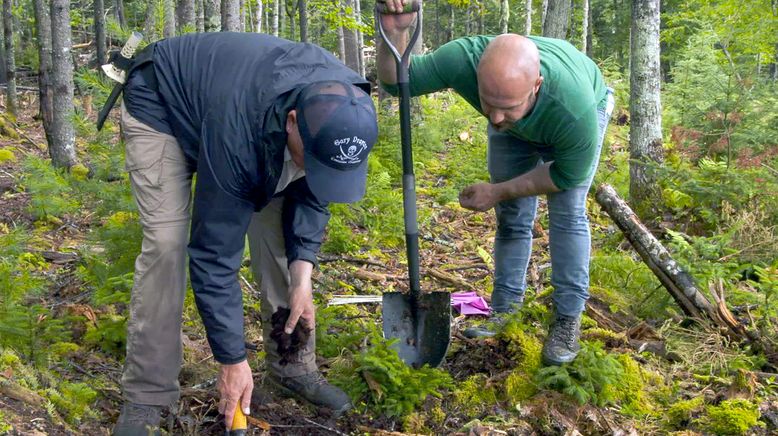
[[409, 182], [239, 423], [412, 6]]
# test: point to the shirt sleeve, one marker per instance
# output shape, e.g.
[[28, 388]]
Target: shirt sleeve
[[577, 148], [304, 220], [219, 224], [433, 71]]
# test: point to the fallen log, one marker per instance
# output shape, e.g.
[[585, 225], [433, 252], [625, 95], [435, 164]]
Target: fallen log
[[680, 284]]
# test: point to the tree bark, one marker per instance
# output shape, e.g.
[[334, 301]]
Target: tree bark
[[186, 16], [543, 14], [350, 41], [360, 37], [302, 7], [589, 35], [150, 23], [528, 20], [62, 148], [169, 28], [505, 15], [45, 91], [451, 21], [276, 13], [585, 26], [645, 143], [212, 15], [119, 12], [291, 12], [10, 63], [100, 31], [199, 16], [230, 16], [3, 75], [341, 44], [557, 19]]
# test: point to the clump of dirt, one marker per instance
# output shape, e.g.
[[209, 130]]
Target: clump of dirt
[[289, 345]]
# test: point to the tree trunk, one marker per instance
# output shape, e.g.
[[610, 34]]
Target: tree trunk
[[360, 37], [242, 7], [589, 35], [212, 21], [291, 12], [557, 19], [585, 26], [528, 21], [302, 7], [469, 18], [543, 14], [100, 31], [645, 133], [481, 17], [230, 16], [341, 44], [350, 41], [276, 13], [3, 75], [62, 148], [45, 91], [119, 11], [505, 15], [10, 63], [199, 16], [169, 28], [451, 21], [186, 16], [150, 24]]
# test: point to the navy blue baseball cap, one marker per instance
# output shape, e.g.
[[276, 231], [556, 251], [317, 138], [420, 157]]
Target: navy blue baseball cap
[[337, 123]]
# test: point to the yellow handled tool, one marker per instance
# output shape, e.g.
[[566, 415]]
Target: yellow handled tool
[[239, 425]]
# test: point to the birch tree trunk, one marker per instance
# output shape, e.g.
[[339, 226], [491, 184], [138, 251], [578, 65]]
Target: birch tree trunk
[[543, 14], [63, 136], [557, 19], [186, 16], [45, 92], [212, 15], [100, 31], [645, 132], [276, 13], [10, 63], [169, 28], [360, 37], [291, 12], [585, 26], [302, 8], [528, 21], [505, 15], [230, 15], [242, 6], [341, 44], [589, 35], [451, 21], [3, 75], [119, 13], [258, 16]]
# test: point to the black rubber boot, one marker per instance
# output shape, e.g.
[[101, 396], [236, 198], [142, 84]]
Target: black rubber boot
[[562, 345], [138, 420], [312, 388]]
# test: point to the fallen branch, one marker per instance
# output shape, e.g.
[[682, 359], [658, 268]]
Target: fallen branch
[[11, 389], [451, 279]]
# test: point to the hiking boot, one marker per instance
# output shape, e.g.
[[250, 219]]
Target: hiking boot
[[313, 388], [487, 329], [138, 420], [562, 345]]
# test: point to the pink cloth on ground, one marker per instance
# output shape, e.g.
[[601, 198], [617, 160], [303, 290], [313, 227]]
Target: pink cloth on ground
[[469, 303]]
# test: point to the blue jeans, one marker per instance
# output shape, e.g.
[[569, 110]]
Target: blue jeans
[[570, 240]]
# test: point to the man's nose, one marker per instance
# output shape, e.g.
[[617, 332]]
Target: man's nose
[[496, 117]]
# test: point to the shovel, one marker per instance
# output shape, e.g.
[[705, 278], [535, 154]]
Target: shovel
[[420, 322]]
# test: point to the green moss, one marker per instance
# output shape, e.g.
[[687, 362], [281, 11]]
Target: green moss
[[79, 172], [437, 415], [731, 417], [415, 423], [680, 414], [526, 349], [7, 155], [474, 395], [630, 391], [72, 400]]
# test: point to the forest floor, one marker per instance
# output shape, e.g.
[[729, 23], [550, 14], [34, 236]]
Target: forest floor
[[664, 354]]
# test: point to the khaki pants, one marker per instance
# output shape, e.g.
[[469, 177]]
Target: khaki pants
[[162, 186]]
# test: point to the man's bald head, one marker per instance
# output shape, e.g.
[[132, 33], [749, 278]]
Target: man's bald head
[[508, 77]]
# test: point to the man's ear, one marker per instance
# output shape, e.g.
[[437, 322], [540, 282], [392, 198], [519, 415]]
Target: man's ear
[[538, 82], [291, 121]]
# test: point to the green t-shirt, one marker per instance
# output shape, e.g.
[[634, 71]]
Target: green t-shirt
[[565, 113]]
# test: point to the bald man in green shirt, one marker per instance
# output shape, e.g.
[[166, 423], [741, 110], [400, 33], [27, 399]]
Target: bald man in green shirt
[[548, 108]]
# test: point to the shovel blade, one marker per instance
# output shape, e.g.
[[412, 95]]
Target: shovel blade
[[422, 327]]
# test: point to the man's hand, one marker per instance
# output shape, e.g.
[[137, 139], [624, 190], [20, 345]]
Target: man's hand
[[394, 21], [235, 383], [480, 197], [300, 296]]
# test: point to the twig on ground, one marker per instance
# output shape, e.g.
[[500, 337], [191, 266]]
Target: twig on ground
[[326, 259], [310, 421]]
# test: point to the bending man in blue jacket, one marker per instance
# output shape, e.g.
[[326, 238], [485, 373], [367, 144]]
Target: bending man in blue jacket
[[275, 131]]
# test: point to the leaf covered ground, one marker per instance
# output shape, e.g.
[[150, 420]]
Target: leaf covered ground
[[68, 243]]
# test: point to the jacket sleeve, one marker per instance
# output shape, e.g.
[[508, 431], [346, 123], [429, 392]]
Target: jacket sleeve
[[219, 224], [304, 220]]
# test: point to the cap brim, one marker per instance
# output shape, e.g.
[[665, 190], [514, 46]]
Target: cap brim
[[335, 186]]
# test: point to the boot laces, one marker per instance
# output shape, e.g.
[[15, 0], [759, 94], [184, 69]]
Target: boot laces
[[563, 331]]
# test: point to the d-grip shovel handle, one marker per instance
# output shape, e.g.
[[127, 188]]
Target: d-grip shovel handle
[[409, 182]]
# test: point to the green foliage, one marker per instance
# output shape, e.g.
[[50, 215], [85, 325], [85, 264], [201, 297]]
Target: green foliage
[[525, 348], [7, 155], [380, 380], [340, 328], [72, 400], [731, 417], [4, 425], [110, 334], [50, 192], [626, 283], [588, 379]]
